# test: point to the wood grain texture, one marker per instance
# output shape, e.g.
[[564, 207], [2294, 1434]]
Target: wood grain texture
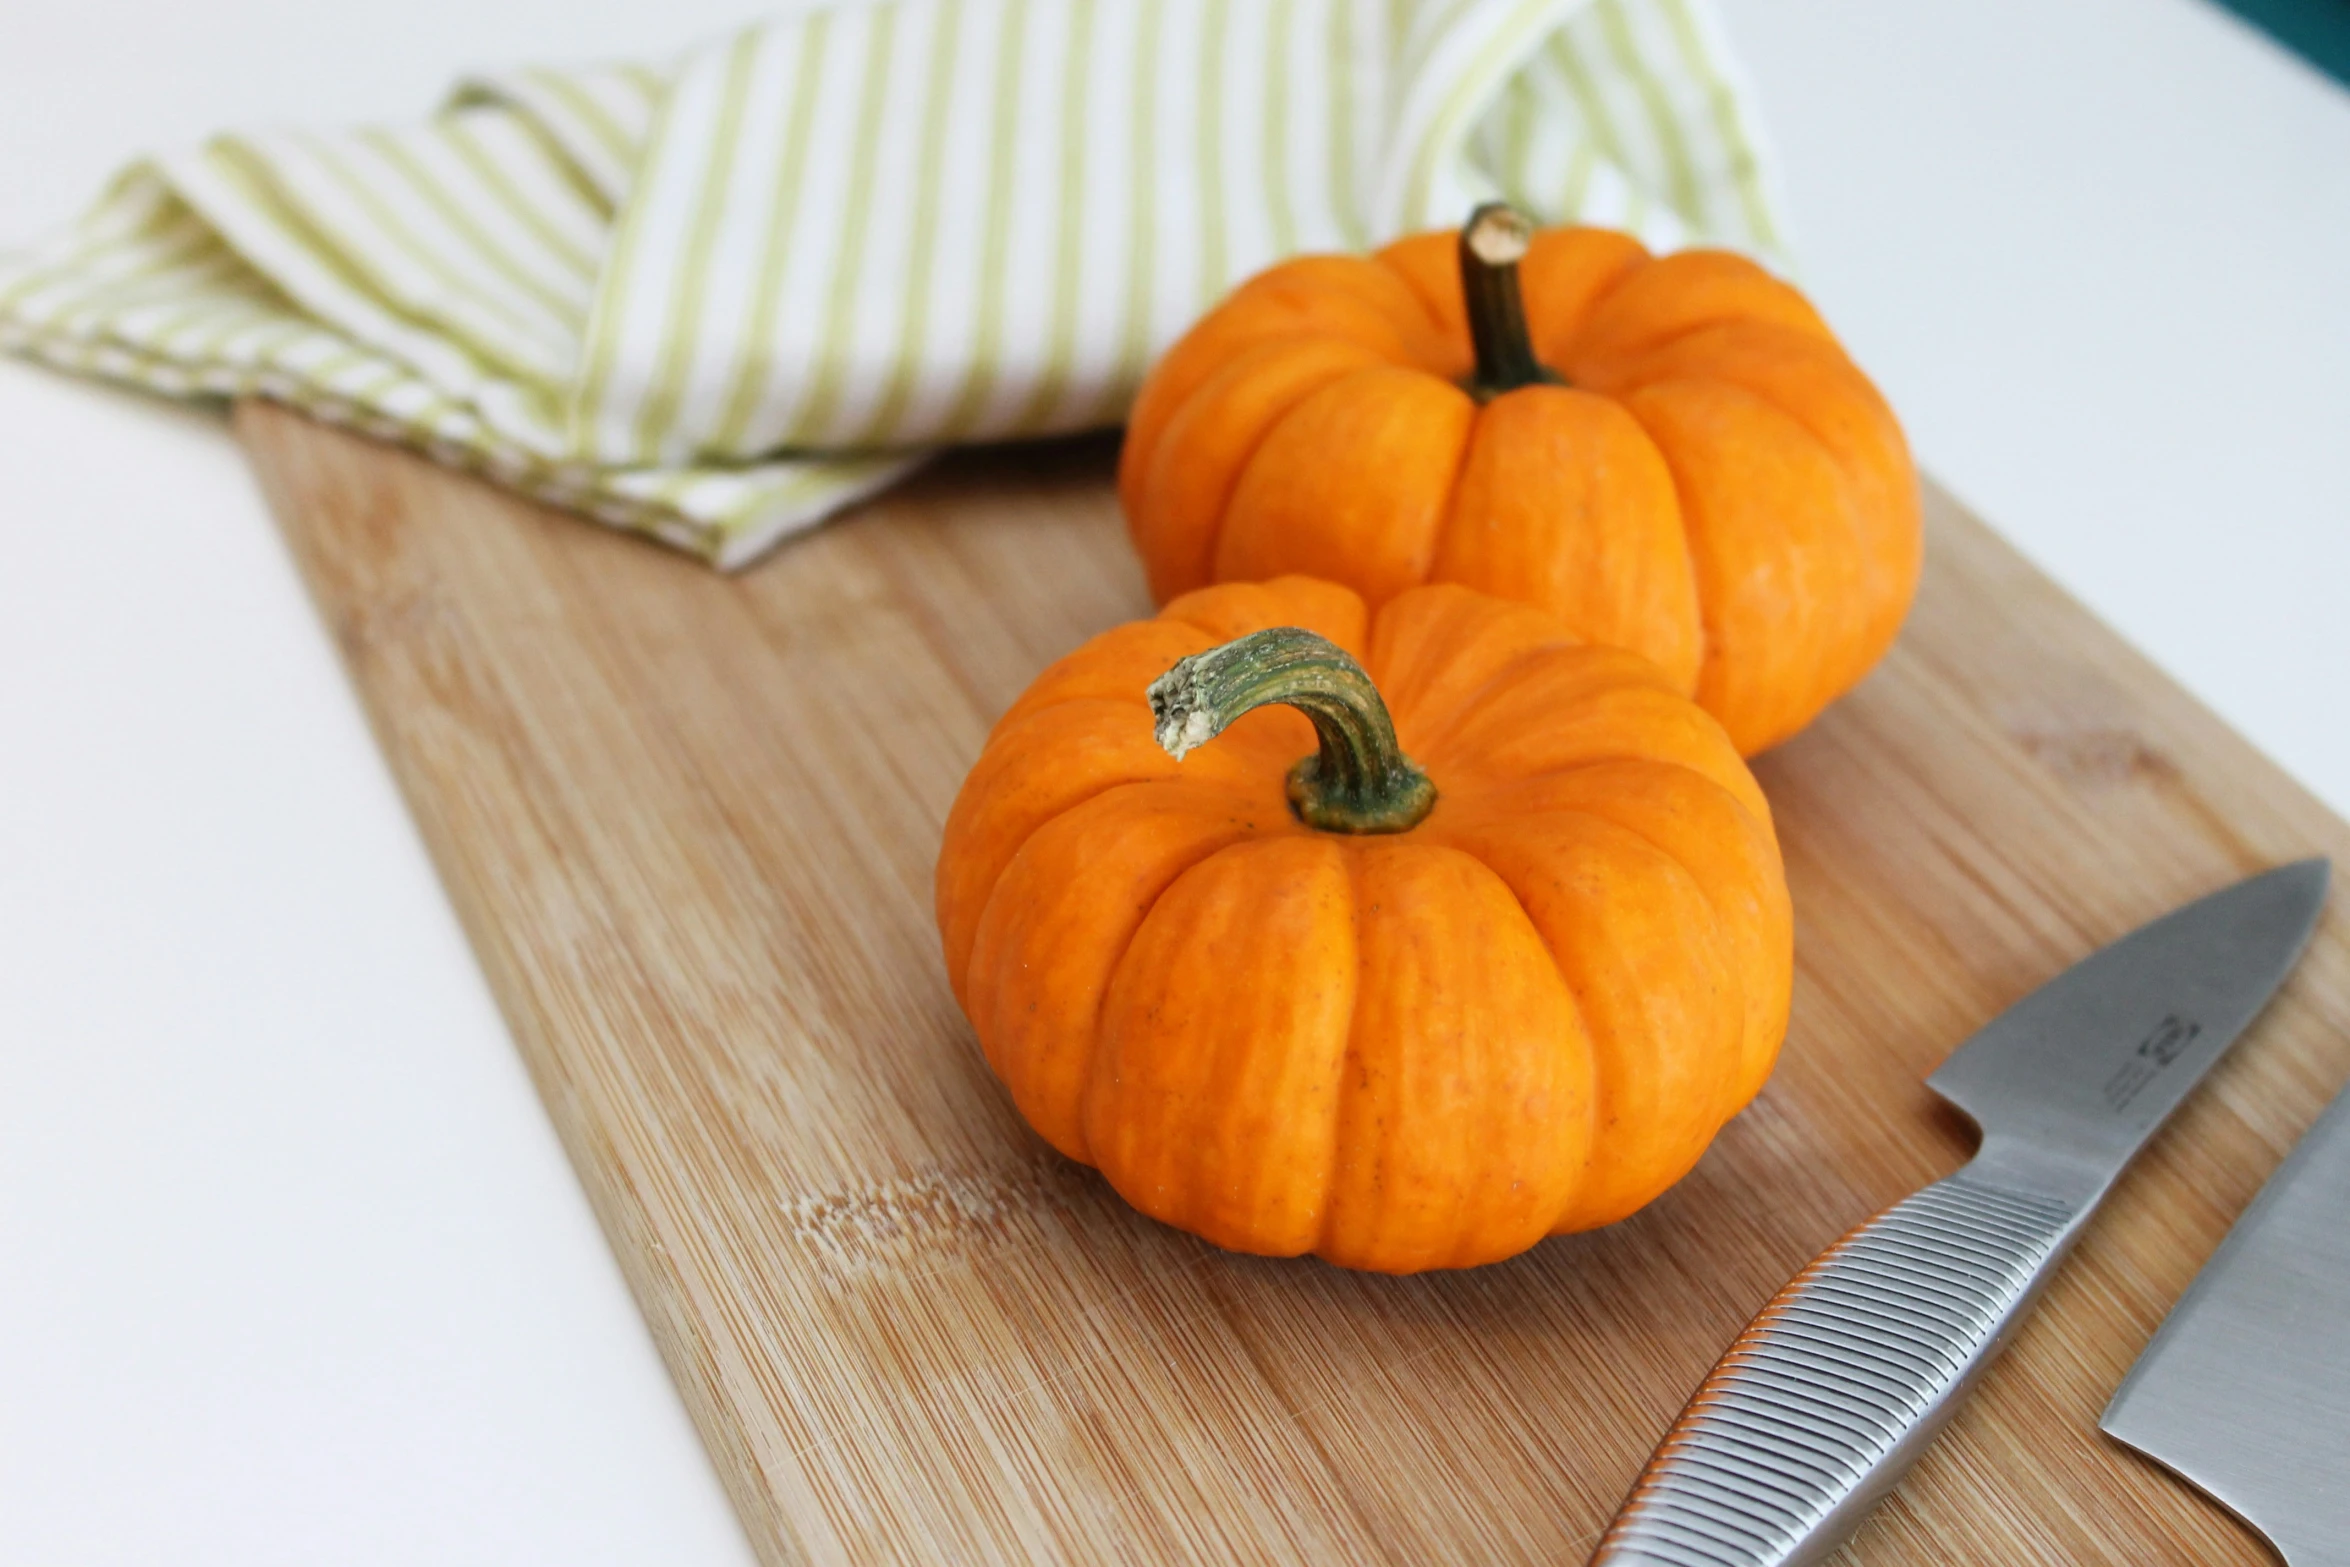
[[689, 822]]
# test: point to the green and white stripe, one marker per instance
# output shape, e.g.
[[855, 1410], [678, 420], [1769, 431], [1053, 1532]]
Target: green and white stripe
[[718, 300]]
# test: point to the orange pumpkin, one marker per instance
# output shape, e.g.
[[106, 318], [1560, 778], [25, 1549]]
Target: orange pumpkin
[[1670, 453], [1400, 1015]]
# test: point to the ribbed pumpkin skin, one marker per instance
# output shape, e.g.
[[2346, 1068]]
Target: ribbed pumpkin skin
[[1528, 1014], [1717, 487]]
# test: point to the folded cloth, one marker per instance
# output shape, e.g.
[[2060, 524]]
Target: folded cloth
[[718, 300]]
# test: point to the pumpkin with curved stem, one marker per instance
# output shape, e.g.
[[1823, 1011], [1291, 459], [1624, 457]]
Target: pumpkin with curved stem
[[1672, 454], [1408, 983]]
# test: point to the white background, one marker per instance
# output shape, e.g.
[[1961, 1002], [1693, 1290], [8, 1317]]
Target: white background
[[291, 1267]]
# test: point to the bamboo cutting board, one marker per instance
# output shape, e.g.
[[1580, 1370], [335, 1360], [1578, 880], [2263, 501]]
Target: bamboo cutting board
[[689, 821]]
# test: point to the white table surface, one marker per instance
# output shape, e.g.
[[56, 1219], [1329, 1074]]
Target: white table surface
[[292, 1268]]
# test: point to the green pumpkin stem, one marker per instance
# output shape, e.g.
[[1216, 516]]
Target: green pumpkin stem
[[1493, 242], [1360, 781]]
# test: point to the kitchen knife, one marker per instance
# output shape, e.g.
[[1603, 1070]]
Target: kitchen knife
[[2246, 1389], [1842, 1381]]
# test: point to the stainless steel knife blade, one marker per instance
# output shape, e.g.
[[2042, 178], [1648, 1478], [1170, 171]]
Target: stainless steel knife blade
[[1841, 1382], [2245, 1390], [2087, 1066]]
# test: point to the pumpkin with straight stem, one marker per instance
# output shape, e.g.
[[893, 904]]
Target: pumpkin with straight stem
[[1407, 981], [1670, 453]]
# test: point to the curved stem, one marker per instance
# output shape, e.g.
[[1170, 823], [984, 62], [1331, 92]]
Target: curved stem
[[1359, 781], [1493, 242]]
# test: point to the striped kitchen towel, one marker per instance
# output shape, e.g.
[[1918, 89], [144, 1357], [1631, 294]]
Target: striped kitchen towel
[[718, 300]]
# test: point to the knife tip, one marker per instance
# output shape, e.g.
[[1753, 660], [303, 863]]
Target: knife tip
[[2306, 880]]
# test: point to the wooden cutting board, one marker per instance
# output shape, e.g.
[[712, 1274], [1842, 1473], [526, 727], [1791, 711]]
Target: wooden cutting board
[[689, 821]]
